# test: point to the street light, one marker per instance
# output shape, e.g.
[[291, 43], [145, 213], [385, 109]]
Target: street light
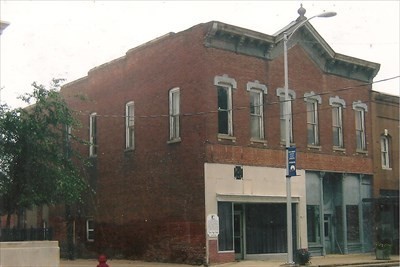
[[286, 37]]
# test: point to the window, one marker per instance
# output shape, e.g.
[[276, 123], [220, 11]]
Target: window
[[312, 101], [174, 113], [313, 224], [337, 121], [312, 123], [360, 109], [224, 91], [385, 152], [256, 109], [353, 229], [281, 94], [89, 230], [225, 237], [129, 125], [93, 134]]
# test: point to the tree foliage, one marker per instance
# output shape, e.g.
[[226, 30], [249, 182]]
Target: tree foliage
[[37, 164]]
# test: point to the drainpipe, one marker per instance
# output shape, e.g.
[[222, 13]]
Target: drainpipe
[[321, 212], [344, 218], [360, 214]]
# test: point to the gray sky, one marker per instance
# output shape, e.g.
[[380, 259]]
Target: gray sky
[[57, 39]]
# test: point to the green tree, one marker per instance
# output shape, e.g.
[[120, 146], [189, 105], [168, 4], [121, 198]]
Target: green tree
[[37, 163]]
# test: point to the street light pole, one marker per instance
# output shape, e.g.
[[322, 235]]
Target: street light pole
[[287, 110]]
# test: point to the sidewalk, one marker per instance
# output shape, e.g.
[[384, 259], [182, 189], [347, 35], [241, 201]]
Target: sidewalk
[[330, 260]]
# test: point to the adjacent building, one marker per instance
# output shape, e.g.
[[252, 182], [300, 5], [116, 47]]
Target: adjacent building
[[385, 125], [187, 144]]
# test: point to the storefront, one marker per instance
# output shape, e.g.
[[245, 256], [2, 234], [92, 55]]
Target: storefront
[[252, 212], [338, 218]]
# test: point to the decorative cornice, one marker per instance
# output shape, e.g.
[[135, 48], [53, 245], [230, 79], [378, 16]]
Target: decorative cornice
[[252, 43]]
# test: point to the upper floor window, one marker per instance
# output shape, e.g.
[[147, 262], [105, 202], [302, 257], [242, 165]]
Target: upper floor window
[[283, 112], [174, 113], [224, 91], [93, 134], [257, 92], [360, 109], [312, 101], [385, 152], [129, 125], [337, 121]]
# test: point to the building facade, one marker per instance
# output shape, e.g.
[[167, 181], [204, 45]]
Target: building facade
[[385, 125], [187, 147]]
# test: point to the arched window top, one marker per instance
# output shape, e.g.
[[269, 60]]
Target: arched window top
[[360, 105], [130, 103], [281, 92], [257, 85], [337, 101], [175, 89], [225, 80], [312, 96]]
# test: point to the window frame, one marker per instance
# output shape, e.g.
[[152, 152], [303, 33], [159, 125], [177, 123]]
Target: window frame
[[228, 84], [174, 102], [259, 89], [338, 105], [385, 152], [280, 92], [312, 100], [93, 144], [130, 125], [359, 115], [90, 230]]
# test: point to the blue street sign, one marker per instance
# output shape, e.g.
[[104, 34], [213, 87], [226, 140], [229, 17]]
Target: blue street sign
[[291, 161]]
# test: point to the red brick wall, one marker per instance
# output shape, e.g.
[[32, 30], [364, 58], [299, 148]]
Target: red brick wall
[[142, 195], [147, 205], [218, 257]]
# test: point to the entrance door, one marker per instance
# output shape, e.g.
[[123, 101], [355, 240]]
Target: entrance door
[[328, 233], [238, 234]]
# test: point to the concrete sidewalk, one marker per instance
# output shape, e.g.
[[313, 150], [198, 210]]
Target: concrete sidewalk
[[367, 259]]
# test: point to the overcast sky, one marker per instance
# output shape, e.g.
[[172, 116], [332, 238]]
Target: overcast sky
[[60, 39]]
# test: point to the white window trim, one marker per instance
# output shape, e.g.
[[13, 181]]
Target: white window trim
[[340, 103], [314, 99], [257, 87], [228, 83], [89, 230], [92, 146], [129, 135], [385, 151], [174, 123], [363, 108], [280, 92]]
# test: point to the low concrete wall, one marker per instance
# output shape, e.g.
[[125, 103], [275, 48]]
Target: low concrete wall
[[30, 254]]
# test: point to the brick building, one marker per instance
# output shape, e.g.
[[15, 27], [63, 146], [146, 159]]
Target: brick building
[[187, 141], [385, 125]]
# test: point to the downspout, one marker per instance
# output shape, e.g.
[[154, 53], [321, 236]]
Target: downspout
[[361, 214], [344, 218], [321, 212]]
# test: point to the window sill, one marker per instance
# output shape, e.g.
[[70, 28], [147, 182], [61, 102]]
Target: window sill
[[258, 141], [129, 149], [364, 152], [222, 137], [386, 168], [314, 147], [339, 149], [173, 141]]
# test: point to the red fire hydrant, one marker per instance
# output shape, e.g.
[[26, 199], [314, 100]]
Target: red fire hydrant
[[102, 261]]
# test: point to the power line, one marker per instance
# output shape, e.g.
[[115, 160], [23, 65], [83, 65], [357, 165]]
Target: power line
[[86, 113]]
